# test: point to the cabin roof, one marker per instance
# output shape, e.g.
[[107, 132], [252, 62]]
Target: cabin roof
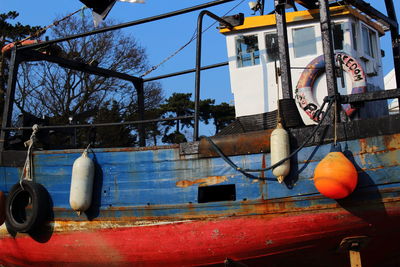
[[305, 15]]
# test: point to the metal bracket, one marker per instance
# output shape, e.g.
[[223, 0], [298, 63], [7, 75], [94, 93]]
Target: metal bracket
[[353, 245], [234, 20]]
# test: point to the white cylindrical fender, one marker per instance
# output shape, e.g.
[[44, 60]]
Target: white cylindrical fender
[[81, 190], [280, 149]]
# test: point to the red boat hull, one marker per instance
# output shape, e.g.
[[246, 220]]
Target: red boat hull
[[310, 239]]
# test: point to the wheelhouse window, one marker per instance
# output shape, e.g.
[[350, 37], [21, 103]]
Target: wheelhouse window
[[304, 42], [370, 46], [247, 52], [271, 43], [354, 35], [338, 36]]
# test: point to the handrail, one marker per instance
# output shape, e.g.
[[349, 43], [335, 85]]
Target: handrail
[[217, 65], [97, 124], [344, 99], [370, 96], [198, 66]]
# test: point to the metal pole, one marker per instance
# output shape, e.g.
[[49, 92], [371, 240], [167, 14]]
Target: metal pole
[[262, 7], [329, 54], [373, 12], [198, 66], [217, 65], [141, 129], [286, 77], [107, 124], [33, 55], [9, 97], [129, 24], [394, 33]]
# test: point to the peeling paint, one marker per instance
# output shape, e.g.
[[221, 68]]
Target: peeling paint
[[216, 234], [365, 149], [212, 180]]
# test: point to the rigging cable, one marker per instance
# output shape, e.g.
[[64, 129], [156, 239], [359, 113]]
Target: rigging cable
[[194, 37], [55, 23]]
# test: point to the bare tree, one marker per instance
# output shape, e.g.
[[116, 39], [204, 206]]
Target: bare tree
[[46, 89]]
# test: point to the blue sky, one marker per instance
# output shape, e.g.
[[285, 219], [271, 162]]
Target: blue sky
[[160, 39]]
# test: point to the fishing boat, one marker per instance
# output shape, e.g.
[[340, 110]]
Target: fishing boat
[[307, 175]]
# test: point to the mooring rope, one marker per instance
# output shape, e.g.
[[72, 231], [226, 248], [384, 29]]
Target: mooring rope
[[27, 171]]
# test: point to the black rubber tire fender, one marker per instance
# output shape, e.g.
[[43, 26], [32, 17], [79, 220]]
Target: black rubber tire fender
[[27, 206]]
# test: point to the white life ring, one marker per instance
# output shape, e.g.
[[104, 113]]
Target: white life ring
[[304, 88]]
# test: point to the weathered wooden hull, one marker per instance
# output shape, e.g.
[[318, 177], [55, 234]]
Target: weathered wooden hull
[[145, 211], [297, 239]]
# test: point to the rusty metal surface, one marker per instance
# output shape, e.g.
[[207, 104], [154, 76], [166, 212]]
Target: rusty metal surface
[[239, 144], [117, 149], [188, 243], [154, 193], [295, 206], [258, 142], [162, 184], [212, 180], [124, 217]]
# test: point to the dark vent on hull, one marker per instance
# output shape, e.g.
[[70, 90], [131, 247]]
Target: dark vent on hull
[[216, 193]]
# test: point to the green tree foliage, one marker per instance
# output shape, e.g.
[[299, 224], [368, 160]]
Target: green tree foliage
[[153, 96], [9, 33], [13, 32], [180, 104], [114, 136], [222, 114]]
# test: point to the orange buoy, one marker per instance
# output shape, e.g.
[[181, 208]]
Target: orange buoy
[[2, 207], [335, 176]]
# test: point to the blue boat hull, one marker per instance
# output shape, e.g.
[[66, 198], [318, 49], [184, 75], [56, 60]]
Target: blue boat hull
[[154, 193]]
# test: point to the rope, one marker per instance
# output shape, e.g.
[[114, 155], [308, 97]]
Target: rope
[[246, 173], [335, 125], [27, 171], [87, 148], [278, 116], [194, 37], [85, 152]]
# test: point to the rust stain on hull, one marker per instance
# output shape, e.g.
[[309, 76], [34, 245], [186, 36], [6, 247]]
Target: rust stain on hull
[[391, 143], [123, 149], [239, 144], [212, 180]]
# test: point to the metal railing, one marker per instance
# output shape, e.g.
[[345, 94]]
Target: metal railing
[[27, 53]]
